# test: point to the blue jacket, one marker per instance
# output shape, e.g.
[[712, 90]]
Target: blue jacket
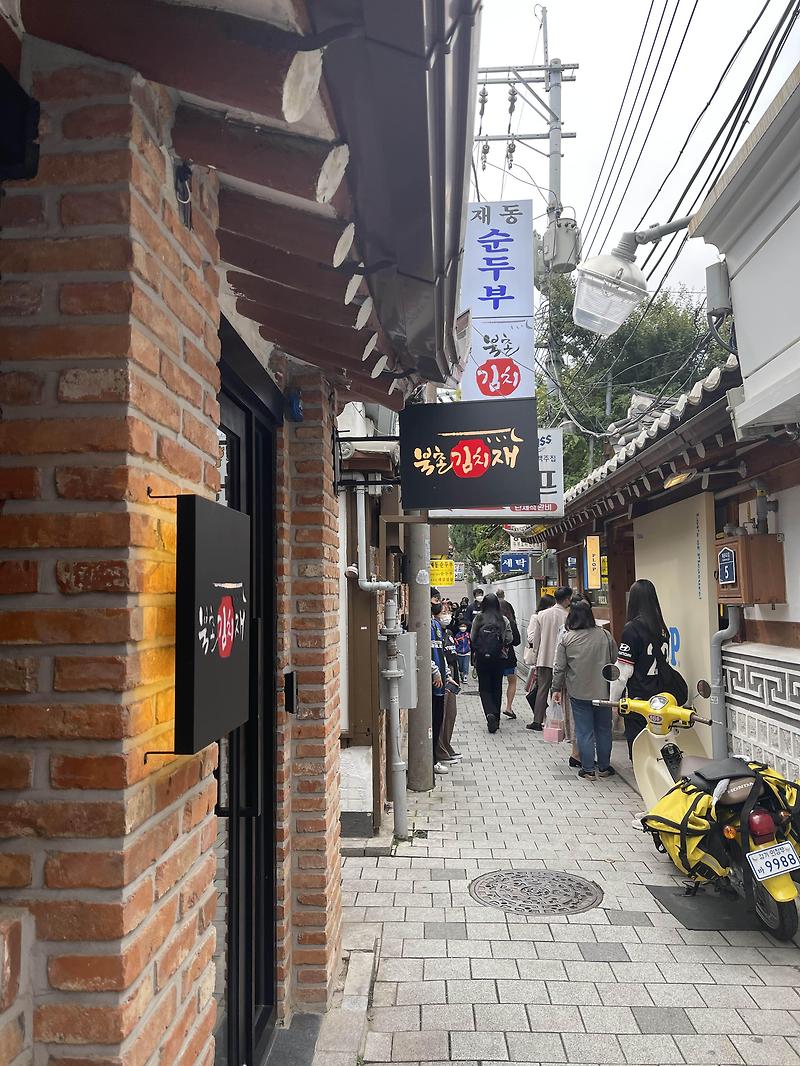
[[438, 661]]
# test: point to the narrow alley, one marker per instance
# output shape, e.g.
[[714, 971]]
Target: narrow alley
[[623, 982]]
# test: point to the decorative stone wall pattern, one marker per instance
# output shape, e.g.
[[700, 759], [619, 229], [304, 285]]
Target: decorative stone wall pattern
[[762, 686]]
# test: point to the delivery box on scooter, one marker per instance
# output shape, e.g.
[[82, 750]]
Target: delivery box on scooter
[[684, 824]]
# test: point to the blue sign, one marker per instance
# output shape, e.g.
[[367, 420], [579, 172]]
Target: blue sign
[[726, 563], [515, 563]]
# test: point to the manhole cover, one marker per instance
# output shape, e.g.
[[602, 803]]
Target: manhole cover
[[536, 892]]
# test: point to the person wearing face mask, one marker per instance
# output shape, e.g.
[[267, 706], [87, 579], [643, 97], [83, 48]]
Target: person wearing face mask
[[463, 649], [439, 678], [475, 607]]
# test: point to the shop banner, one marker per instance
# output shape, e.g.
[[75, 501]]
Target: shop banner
[[497, 288], [523, 516], [474, 454], [514, 563], [213, 625], [443, 572], [594, 578]]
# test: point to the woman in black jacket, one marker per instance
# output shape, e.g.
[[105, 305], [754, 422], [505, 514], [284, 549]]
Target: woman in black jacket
[[491, 638], [644, 635]]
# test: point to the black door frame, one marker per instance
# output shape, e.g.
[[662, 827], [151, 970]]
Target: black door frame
[[249, 398]]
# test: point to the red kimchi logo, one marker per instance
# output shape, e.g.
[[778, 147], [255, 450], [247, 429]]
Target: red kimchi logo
[[470, 458], [220, 628], [498, 377]]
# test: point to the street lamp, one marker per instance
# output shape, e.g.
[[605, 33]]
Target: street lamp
[[610, 287]]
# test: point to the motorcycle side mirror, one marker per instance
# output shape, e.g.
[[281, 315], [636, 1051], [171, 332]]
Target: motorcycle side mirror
[[611, 672], [703, 689]]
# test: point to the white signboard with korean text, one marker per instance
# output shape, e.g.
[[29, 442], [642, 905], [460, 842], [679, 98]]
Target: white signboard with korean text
[[551, 491], [497, 288]]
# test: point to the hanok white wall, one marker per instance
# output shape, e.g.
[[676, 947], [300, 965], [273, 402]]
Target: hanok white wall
[[674, 549]]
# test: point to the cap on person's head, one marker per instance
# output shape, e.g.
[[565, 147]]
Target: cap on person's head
[[435, 594], [478, 592], [563, 594]]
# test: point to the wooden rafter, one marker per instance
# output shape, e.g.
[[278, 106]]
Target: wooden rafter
[[288, 270], [240, 62], [299, 232], [303, 166]]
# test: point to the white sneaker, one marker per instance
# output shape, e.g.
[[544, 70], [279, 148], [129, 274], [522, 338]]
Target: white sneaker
[[440, 768]]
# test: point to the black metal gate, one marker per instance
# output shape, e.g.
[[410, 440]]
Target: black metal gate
[[246, 981]]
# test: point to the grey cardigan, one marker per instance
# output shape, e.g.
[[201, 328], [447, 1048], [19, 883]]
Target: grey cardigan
[[581, 655]]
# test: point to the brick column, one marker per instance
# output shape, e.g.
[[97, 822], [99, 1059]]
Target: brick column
[[108, 381], [309, 642]]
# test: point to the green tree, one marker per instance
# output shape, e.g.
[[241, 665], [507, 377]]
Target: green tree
[[477, 546], [666, 354]]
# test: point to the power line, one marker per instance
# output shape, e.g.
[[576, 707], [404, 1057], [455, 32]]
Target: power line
[[619, 112], [731, 119], [653, 119], [705, 108], [628, 120], [738, 106]]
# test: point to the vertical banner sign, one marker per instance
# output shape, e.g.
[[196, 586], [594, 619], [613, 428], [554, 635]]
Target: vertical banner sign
[[213, 623], [479, 454], [594, 577], [497, 287], [443, 572]]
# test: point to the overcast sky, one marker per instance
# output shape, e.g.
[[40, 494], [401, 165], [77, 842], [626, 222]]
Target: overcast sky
[[602, 37]]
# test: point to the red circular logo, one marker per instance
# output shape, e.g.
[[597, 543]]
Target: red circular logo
[[470, 458], [498, 377], [225, 627]]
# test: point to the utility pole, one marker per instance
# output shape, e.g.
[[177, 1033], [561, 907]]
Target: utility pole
[[420, 720], [561, 242]]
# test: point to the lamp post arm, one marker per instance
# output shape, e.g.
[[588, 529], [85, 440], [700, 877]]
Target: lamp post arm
[[629, 242]]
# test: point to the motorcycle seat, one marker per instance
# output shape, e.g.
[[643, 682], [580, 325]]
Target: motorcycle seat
[[707, 773]]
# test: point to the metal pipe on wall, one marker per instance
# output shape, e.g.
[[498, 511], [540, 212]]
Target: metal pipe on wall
[[719, 720], [392, 673]]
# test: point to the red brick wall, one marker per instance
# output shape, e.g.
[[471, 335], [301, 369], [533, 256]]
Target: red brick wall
[[16, 1028], [108, 382], [308, 606]]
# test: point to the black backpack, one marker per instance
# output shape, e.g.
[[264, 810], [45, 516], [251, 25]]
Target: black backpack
[[669, 679], [489, 645]]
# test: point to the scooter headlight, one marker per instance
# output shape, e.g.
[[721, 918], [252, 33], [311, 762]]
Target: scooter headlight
[[657, 703]]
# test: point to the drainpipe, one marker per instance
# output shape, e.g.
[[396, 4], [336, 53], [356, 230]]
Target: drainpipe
[[762, 505], [719, 720], [393, 672]]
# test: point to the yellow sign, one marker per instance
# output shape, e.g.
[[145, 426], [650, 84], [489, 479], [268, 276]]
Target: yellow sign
[[548, 590], [604, 566], [594, 578], [443, 572]]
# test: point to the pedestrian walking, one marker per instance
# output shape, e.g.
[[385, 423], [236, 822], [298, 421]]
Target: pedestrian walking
[[491, 638], [528, 657], [583, 651], [463, 650], [543, 649], [444, 752], [439, 676], [510, 671], [642, 655], [474, 607]]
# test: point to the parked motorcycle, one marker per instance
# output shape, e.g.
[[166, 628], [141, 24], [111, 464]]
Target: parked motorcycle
[[727, 792]]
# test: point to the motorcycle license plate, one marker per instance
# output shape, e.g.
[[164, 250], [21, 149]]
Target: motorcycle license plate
[[779, 859]]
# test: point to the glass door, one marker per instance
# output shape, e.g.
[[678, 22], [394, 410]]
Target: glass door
[[245, 953]]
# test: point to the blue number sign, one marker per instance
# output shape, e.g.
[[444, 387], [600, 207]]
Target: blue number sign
[[726, 563]]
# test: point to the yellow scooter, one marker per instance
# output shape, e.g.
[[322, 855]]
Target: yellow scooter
[[771, 857]]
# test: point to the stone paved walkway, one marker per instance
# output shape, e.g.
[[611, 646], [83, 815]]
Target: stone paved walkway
[[623, 983]]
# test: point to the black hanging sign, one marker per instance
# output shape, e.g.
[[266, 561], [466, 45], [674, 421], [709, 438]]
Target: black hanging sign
[[212, 623], [482, 453]]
